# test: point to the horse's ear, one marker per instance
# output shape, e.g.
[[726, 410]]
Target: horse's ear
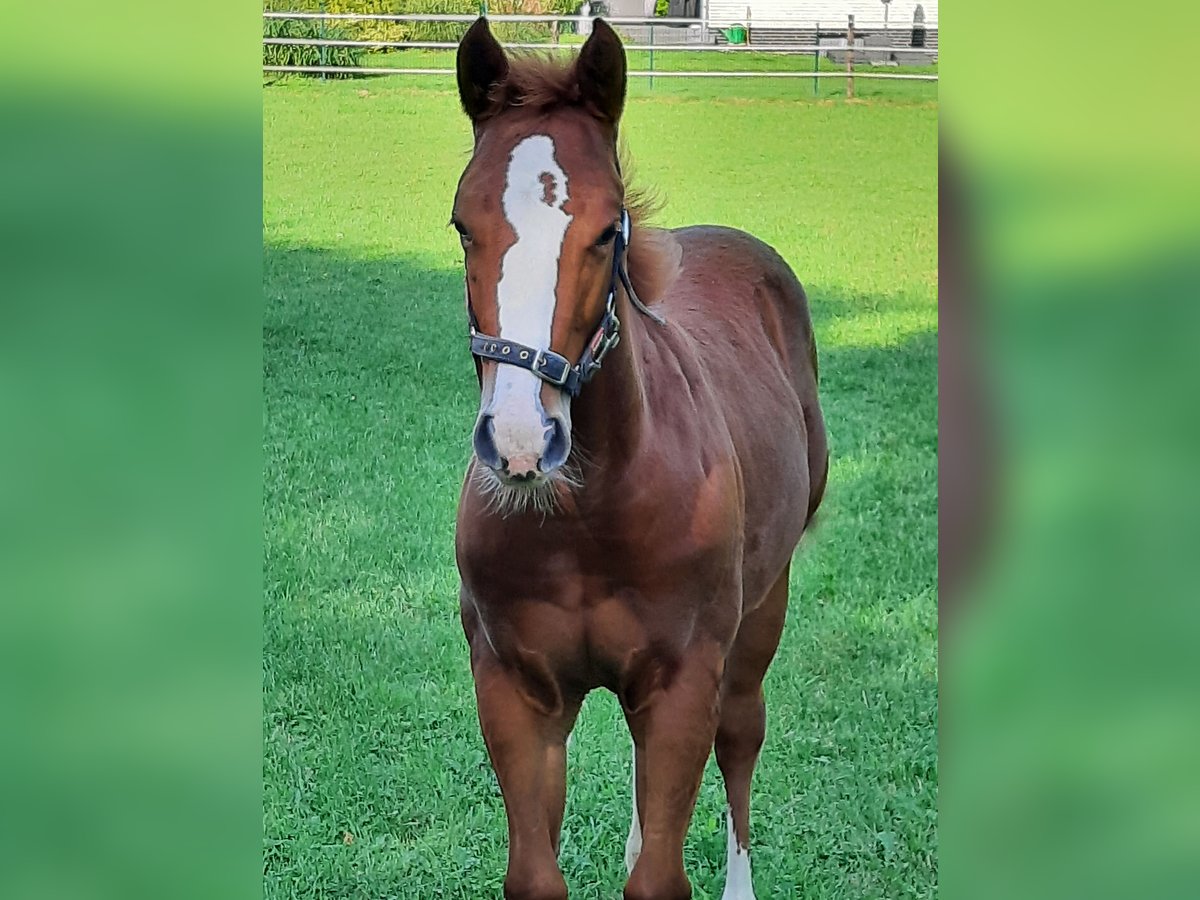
[[481, 64], [601, 71]]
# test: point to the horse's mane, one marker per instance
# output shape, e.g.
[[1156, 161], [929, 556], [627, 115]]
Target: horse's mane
[[654, 254], [541, 84]]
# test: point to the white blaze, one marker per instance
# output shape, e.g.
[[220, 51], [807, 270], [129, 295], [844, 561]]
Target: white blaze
[[535, 192], [737, 872]]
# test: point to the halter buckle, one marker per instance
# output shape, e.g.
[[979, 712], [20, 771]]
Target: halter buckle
[[539, 369]]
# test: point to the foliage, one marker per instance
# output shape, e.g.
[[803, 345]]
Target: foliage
[[523, 32], [308, 54], [372, 30], [436, 31], [356, 30], [445, 32], [662, 8]]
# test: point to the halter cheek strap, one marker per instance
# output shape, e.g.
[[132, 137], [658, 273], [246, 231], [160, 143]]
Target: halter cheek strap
[[555, 368]]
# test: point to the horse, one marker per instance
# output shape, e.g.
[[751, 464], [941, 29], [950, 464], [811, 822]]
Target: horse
[[648, 451]]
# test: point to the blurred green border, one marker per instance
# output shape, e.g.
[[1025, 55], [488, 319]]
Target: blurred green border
[[130, 512]]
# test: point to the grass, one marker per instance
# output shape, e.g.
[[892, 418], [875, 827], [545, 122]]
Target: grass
[[376, 780]]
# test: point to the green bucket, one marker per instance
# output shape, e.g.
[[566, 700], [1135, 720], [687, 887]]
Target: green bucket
[[735, 34]]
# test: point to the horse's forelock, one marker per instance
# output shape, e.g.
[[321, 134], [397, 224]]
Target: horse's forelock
[[534, 82]]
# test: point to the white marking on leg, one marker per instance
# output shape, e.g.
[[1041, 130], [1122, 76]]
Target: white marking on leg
[[737, 867], [633, 845], [535, 192]]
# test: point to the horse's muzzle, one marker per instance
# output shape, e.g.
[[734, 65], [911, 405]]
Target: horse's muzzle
[[516, 464]]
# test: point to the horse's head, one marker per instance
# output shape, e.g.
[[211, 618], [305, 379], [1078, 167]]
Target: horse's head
[[539, 210]]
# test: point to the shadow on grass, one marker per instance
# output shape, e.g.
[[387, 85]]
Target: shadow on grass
[[398, 325], [369, 711]]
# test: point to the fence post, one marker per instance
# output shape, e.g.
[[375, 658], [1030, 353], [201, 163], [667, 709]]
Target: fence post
[[850, 59], [652, 57], [747, 26], [324, 48], [817, 60]]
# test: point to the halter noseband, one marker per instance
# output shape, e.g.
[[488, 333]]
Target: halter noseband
[[554, 368]]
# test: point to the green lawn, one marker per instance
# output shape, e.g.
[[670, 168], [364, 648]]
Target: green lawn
[[370, 728]]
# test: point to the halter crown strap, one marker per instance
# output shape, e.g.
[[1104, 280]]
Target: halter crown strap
[[555, 368]]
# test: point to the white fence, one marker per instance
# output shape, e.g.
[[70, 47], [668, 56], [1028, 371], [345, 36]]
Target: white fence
[[691, 35]]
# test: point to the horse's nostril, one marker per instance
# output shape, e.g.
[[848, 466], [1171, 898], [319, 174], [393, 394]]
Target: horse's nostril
[[484, 442], [558, 448], [504, 464]]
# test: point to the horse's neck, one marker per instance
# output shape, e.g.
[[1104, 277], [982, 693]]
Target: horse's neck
[[609, 415]]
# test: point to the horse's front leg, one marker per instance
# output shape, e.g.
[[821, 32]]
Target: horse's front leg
[[673, 730], [527, 745]]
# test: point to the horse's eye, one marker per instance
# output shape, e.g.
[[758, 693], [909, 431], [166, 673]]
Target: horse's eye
[[463, 234], [606, 236]]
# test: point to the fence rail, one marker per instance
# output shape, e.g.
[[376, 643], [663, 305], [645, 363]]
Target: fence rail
[[656, 73], [776, 46], [690, 48], [788, 23], [455, 17]]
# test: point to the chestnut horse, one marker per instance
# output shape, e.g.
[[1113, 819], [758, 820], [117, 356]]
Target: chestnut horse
[[629, 527]]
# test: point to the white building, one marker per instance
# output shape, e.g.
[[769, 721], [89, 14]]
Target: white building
[[907, 22], [792, 14]]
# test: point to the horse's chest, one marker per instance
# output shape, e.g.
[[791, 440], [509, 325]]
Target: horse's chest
[[588, 596], [588, 610]]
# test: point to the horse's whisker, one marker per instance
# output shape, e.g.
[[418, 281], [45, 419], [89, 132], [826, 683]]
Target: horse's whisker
[[545, 497]]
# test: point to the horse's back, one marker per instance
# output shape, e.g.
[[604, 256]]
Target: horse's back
[[741, 283]]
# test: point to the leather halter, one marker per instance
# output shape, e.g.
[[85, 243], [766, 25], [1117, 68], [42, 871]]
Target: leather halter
[[554, 368]]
